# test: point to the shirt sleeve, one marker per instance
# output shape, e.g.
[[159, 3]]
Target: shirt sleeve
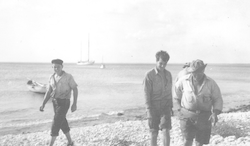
[[50, 82], [147, 84], [217, 98], [178, 90], [171, 85], [72, 82]]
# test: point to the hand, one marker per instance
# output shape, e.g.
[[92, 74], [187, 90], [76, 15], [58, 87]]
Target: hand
[[213, 118], [172, 112], [41, 108], [73, 107], [178, 112]]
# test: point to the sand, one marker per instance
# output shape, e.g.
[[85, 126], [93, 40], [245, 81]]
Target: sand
[[232, 129]]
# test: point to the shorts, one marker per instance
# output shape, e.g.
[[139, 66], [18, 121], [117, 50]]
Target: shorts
[[199, 129], [160, 119]]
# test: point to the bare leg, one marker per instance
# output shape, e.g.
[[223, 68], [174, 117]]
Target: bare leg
[[153, 135], [166, 137], [53, 139], [68, 137], [198, 143]]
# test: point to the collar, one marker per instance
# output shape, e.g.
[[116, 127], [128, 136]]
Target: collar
[[157, 72], [190, 78]]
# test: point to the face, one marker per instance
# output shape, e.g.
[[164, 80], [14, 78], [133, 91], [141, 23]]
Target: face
[[160, 64], [197, 76], [57, 68]]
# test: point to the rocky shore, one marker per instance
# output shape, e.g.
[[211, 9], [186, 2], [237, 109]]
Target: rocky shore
[[232, 129]]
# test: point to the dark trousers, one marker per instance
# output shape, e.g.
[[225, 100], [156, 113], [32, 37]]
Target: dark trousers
[[61, 107], [195, 126]]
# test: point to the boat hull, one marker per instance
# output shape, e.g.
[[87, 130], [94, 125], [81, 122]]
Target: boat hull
[[102, 66], [85, 62], [36, 87]]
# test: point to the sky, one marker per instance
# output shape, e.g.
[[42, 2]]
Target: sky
[[125, 31]]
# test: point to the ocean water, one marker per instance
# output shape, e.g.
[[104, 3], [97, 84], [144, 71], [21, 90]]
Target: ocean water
[[115, 88]]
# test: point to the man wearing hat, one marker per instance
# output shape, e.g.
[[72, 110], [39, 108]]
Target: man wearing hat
[[183, 72], [60, 86], [158, 97], [200, 101]]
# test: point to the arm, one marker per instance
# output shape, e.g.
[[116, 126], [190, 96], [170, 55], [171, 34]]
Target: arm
[[75, 95], [178, 93], [73, 86], [171, 92], [217, 103], [171, 85], [147, 95], [46, 98], [178, 101], [217, 99], [147, 91]]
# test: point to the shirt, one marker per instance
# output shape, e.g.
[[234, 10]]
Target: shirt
[[182, 73], [207, 98], [62, 86], [158, 88]]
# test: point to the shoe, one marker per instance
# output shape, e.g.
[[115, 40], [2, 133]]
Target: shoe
[[70, 144]]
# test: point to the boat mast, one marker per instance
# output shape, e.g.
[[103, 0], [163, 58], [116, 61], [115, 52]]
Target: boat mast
[[88, 47], [81, 52]]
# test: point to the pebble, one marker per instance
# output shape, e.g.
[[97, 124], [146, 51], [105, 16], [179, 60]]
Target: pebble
[[230, 138], [128, 133], [216, 139]]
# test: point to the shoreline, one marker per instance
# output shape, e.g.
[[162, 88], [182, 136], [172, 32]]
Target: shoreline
[[111, 117], [232, 129], [135, 114]]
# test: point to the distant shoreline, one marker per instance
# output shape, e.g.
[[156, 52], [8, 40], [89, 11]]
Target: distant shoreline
[[99, 63], [135, 114], [232, 129]]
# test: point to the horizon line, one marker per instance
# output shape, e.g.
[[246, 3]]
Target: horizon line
[[114, 63]]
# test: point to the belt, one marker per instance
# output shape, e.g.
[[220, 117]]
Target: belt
[[60, 99], [198, 111], [185, 113], [194, 111]]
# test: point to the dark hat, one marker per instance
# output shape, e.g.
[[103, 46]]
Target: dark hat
[[57, 61], [196, 65]]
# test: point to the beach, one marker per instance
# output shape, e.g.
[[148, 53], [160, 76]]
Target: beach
[[108, 48], [111, 103], [122, 129]]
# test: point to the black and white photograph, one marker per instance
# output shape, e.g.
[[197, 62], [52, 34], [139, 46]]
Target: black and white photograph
[[125, 73]]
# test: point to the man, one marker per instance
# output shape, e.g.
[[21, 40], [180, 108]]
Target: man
[[183, 71], [158, 96], [60, 86], [200, 101]]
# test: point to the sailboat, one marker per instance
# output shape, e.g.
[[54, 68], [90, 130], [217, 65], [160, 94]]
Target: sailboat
[[87, 62], [102, 65]]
